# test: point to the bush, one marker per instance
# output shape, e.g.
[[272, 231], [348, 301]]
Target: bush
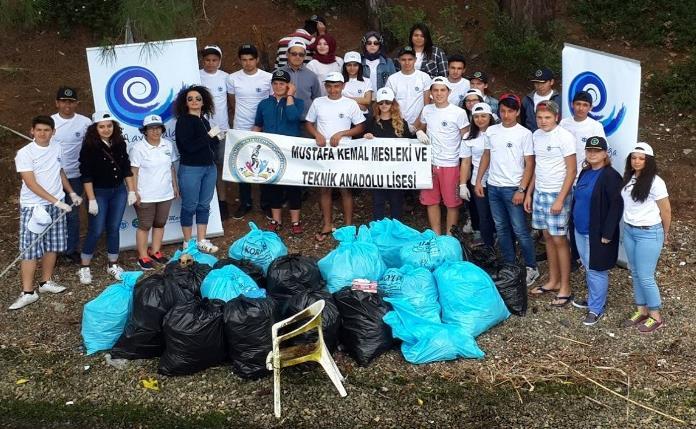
[[398, 20], [676, 87]]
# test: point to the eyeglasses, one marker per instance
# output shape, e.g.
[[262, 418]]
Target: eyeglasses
[[373, 43], [297, 54], [384, 102], [194, 98]]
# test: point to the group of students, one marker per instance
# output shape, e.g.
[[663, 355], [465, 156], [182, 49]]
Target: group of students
[[505, 157]]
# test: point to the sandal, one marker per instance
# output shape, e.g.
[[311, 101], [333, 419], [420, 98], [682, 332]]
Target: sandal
[[321, 236], [540, 290], [565, 299], [296, 228]]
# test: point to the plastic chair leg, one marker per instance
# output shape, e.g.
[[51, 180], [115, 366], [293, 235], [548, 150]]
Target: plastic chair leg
[[332, 371], [333, 363], [276, 392]]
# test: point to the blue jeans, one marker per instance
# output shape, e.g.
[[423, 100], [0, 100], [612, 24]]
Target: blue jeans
[[73, 218], [597, 281], [485, 219], [112, 204], [509, 219], [643, 247], [197, 186], [379, 201]]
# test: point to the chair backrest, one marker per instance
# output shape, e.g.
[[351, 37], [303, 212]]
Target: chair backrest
[[313, 313]]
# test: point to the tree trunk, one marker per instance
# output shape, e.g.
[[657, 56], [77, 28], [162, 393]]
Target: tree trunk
[[373, 11], [534, 13]]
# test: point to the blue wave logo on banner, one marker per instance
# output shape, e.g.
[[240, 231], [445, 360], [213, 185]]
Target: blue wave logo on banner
[[590, 82], [133, 92]]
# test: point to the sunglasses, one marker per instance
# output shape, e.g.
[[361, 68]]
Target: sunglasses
[[297, 54], [384, 102], [194, 98], [375, 43]]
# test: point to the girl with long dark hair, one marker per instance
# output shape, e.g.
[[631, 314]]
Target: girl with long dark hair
[[429, 58], [356, 87]]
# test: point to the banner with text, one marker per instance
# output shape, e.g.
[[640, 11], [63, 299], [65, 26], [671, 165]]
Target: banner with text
[[138, 79], [254, 157]]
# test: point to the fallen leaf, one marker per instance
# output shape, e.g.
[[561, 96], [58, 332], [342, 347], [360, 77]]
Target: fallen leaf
[[150, 384], [22, 381], [420, 401]]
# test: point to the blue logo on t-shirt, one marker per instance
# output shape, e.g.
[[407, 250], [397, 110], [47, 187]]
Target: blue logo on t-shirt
[[509, 144], [258, 89], [417, 89], [444, 123]]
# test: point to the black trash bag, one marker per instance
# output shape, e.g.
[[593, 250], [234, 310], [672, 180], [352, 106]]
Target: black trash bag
[[291, 274], [331, 317], [363, 332], [256, 273], [247, 325], [194, 337], [183, 281], [142, 337], [511, 282], [486, 258]]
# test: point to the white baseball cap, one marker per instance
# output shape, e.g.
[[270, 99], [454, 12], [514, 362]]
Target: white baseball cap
[[385, 94], [152, 120], [439, 80], [642, 147], [334, 77], [299, 43], [480, 108], [352, 57], [102, 116], [474, 91], [39, 220]]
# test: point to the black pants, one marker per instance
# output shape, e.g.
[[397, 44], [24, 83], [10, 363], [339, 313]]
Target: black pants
[[379, 200], [278, 194], [245, 196]]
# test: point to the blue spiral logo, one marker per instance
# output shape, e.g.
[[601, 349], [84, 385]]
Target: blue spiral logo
[[590, 82], [132, 93]]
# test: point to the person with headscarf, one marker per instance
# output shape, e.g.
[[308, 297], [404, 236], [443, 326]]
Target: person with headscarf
[[325, 60], [376, 66]]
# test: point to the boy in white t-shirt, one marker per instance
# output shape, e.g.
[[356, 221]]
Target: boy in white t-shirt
[[554, 174], [459, 85], [582, 126], [42, 210], [216, 81], [410, 86], [329, 120], [70, 131], [247, 88], [445, 124]]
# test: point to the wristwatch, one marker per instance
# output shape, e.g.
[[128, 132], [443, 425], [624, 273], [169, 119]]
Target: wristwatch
[[521, 190]]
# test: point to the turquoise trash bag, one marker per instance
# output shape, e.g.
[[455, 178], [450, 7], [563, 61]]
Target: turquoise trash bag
[[414, 285], [197, 255], [431, 250], [425, 341], [229, 282], [104, 318], [258, 247], [390, 236], [469, 297], [356, 257]]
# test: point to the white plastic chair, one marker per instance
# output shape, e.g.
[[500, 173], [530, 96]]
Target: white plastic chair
[[280, 358]]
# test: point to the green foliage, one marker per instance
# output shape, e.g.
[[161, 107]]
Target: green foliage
[[316, 5], [398, 20], [520, 49], [668, 24], [157, 20], [19, 14], [676, 88]]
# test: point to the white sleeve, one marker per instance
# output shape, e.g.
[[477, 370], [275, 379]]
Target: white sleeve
[[423, 114], [312, 113], [426, 81], [527, 144], [658, 190], [174, 152], [23, 161], [600, 130], [465, 150], [462, 120], [568, 145], [356, 115], [135, 156], [230, 84]]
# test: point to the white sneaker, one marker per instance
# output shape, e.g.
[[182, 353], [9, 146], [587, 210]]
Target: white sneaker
[[85, 276], [52, 287], [532, 275], [24, 300], [467, 228], [115, 270], [207, 246]]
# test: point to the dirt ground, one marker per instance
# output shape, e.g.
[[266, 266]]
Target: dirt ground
[[522, 382]]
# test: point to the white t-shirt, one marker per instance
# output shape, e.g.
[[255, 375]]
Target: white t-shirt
[[539, 98], [155, 169], [550, 151], [44, 162], [217, 85], [474, 149], [248, 90], [582, 131], [321, 70], [372, 64], [646, 213], [332, 116], [444, 130], [419, 60], [409, 89], [356, 88], [69, 135], [508, 148], [458, 91]]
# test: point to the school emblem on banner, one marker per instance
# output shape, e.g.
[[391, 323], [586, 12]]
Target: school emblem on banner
[[256, 159]]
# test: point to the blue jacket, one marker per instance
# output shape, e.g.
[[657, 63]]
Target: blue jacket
[[276, 117], [385, 68], [606, 209], [528, 115]]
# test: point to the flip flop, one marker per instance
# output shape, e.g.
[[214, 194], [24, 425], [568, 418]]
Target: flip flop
[[321, 236], [542, 290], [565, 299]]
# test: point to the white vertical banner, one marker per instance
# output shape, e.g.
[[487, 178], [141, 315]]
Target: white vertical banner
[[138, 79], [614, 83]]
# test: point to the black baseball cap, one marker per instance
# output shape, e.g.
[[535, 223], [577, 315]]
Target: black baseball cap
[[582, 96], [542, 75], [248, 49], [66, 93], [596, 142], [407, 50], [281, 75], [482, 76]]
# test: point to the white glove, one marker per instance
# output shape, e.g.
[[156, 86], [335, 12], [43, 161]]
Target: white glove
[[92, 207], [464, 192], [221, 135], [76, 199], [132, 198], [61, 205], [422, 137], [214, 131]]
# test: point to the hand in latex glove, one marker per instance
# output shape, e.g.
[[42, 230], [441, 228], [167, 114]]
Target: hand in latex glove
[[214, 131], [132, 198], [93, 207], [76, 199], [464, 192], [221, 135], [61, 205], [422, 137]]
